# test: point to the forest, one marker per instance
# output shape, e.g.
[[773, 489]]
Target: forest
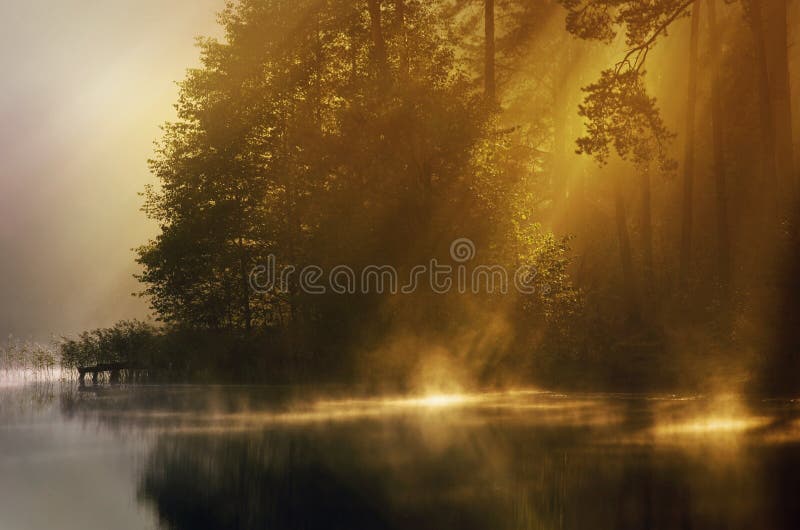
[[637, 157]]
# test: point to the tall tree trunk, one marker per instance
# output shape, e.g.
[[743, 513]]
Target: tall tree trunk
[[400, 13], [558, 184], [291, 291], [768, 162], [318, 60], [629, 282], [647, 231], [687, 201], [378, 43], [353, 47], [720, 180], [245, 279], [777, 46], [489, 75]]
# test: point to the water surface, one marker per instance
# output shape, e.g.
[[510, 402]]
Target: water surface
[[199, 457]]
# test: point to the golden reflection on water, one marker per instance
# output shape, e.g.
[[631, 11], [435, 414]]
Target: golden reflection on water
[[529, 406], [520, 459], [712, 425], [439, 400], [609, 418]]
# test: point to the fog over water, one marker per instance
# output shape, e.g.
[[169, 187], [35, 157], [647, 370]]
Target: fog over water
[[256, 457], [568, 232]]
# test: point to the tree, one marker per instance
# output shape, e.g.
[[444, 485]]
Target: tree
[[489, 79], [687, 199], [753, 11], [379, 46], [778, 46], [720, 178], [326, 133]]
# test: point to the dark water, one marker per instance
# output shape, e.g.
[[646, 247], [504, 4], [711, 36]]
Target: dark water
[[233, 457]]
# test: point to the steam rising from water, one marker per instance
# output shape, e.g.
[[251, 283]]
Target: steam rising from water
[[606, 418]]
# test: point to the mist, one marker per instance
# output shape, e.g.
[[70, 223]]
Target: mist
[[85, 87], [473, 264]]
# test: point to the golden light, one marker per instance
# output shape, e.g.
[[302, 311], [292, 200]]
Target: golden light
[[440, 400], [713, 425]]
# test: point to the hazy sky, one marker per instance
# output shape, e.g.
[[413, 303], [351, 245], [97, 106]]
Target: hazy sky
[[83, 89]]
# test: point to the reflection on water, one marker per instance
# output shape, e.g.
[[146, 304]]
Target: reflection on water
[[237, 457]]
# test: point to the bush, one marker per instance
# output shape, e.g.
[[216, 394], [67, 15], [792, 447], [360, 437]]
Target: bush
[[128, 341]]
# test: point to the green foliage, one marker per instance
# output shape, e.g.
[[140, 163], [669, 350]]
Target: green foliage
[[619, 112], [356, 133], [284, 128], [621, 115], [306, 136], [642, 21], [128, 341]]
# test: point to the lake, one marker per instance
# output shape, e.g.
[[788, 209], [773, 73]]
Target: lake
[[198, 457]]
